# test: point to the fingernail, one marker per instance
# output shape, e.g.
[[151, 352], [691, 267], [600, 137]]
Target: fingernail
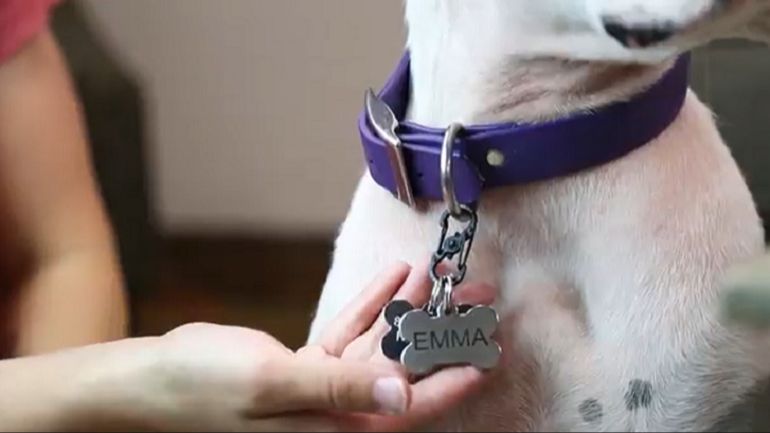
[[390, 396]]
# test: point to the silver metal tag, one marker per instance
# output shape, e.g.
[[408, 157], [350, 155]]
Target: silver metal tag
[[449, 340]]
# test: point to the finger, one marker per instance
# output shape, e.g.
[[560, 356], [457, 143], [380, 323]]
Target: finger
[[438, 395], [445, 388], [363, 311], [312, 352], [327, 422], [432, 399], [416, 290], [296, 422], [333, 385]]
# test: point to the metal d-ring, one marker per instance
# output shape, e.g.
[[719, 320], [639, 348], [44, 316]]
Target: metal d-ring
[[447, 181]]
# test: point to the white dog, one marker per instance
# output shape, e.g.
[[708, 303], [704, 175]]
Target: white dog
[[609, 278]]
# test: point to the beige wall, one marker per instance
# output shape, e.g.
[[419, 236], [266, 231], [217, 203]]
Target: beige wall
[[252, 104]]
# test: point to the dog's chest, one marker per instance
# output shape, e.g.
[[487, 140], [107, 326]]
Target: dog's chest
[[533, 234]]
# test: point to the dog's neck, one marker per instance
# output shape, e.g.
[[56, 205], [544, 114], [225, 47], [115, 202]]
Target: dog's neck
[[455, 81]]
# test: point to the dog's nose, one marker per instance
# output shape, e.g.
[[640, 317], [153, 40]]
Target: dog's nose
[[638, 36]]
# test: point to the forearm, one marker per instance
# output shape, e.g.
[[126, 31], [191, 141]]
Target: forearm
[[88, 388], [34, 395]]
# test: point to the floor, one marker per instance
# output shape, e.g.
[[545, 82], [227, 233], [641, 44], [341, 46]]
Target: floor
[[263, 284]]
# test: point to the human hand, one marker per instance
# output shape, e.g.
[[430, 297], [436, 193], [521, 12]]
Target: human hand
[[207, 377], [353, 337]]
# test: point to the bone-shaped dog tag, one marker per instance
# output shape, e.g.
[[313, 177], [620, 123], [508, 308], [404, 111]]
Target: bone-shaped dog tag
[[392, 344], [453, 339]]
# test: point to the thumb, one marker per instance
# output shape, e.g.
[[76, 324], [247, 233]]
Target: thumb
[[336, 385]]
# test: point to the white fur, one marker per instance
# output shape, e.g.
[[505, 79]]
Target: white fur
[[606, 277]]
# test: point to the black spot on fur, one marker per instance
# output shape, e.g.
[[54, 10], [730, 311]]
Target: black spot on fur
[[591, 410], [639, 395]]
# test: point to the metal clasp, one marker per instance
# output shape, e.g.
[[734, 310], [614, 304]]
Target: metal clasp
[[385, 124], [458, 244]]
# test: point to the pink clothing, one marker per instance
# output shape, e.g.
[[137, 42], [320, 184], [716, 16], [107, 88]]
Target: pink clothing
[[20, 21]]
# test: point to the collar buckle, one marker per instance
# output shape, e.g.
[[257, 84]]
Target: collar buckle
[[385, 124]]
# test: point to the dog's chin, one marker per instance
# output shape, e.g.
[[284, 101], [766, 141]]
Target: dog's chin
[[610, 51], [677, 46], [649, 56], [735, 22], [600, 49], [591, 42]]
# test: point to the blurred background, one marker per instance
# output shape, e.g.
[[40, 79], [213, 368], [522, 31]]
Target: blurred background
[[224, 137]]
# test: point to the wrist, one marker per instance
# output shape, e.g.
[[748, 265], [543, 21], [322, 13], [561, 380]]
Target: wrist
[[111, 388]]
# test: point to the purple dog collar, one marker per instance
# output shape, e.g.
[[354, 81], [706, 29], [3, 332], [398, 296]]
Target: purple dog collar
[[405, 158]]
